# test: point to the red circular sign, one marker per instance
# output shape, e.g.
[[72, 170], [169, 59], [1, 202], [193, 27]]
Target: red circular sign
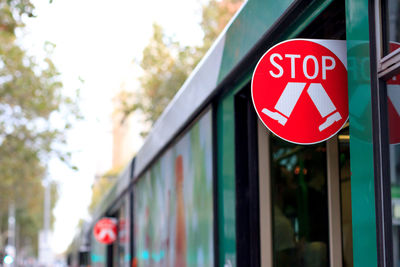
[[105, 230], [299, 90]]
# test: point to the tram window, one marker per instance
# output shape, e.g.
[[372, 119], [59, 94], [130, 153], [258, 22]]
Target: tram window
[[114, 251], [124, 256], [390, 34], [393, 27], [345, 196], [300, 224], [393, 105], [389, 66], [330, 24]]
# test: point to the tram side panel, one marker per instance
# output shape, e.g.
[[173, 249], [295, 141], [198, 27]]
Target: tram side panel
[[173, 203]]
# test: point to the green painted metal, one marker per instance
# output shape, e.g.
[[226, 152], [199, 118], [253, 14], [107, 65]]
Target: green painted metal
[[395, 191], [239, 41], [252, 22], [244, 32], [226, 175], [361, 150], [233, 52], [226, 181], [306, 18]]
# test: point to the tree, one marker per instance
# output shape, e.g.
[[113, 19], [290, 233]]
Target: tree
[[216, 15], [167, 64], [101, 186], [30, 96]]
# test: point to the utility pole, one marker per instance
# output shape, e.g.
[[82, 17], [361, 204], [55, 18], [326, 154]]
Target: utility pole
[[45, 253], [47, 202]]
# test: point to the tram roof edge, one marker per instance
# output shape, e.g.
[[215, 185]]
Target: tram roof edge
[[198, 89], [191, 97], [218, 66]]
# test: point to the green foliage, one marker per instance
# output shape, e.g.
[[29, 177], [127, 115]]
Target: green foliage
[[101, 187], [167, 64], [30, 97], [216, 14]]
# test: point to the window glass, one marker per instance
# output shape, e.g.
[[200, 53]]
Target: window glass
[[124, 234], [115, 251], [393, 92], [345, 197], [393, 12], [173, 205], [299, 204], [98, 253]]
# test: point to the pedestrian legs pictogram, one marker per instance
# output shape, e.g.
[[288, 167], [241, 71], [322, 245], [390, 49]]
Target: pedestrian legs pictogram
[[290, 96]]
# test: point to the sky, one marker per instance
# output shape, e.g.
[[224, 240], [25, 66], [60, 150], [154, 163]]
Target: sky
[[96, 43]]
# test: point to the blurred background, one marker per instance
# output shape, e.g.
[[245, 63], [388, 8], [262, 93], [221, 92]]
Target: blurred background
[[81, 84]]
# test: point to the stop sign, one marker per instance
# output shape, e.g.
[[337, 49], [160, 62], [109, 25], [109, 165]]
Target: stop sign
[[299, 89], [105, 230]]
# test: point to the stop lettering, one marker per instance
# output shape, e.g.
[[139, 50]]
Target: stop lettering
[[299, 89]]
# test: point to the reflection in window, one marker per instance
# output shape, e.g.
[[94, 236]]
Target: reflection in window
[[124, 256], [394, 23], [393, 92], [300, 208], [345, 197]]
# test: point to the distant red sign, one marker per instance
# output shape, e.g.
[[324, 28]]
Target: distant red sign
[[105, 230], [299, 89]]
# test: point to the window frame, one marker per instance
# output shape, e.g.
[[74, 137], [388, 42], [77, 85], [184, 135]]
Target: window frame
[[384, 65], [388, 62], [335, 251]]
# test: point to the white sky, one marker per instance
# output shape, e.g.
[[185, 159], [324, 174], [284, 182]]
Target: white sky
[[97, 41]]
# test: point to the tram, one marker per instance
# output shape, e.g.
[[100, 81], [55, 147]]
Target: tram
[[212, 186]]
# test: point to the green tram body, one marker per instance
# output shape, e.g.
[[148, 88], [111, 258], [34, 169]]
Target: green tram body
[[211, 186]]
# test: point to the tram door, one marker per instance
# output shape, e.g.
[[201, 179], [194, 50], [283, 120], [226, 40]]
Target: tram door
[[119, 251], [112, 249], [293, 202], [305, 202]]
